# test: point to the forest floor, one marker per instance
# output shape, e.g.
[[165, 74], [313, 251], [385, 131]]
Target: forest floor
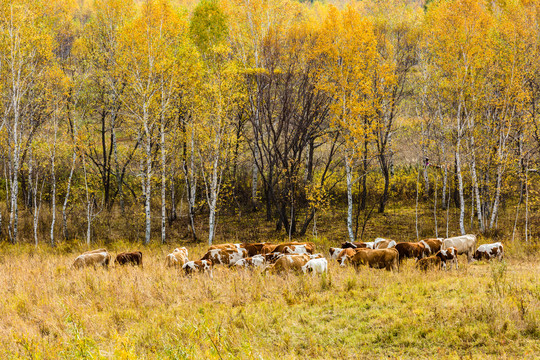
[[49, 311]]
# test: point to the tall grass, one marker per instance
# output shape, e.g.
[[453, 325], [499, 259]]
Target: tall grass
[[50, 311]]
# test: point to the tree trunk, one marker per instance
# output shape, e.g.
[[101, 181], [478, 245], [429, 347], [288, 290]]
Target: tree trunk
[[460, 187], [53, 176], [386, 174], [148, 179], [476, 191], [163, 183], [497, 199], [348, 170], [88, 206], [66, 199]]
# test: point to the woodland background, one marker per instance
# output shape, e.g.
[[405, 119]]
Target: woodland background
[[159, 121]]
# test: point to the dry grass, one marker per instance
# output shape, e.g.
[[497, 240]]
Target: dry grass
[[50, 311]]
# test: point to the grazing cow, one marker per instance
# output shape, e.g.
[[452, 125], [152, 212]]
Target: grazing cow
[[432, 245], [198, 265], [129, 258], [225, 256], [253, 262], [268, 248], [381, 243], [289, 263], [449, 254], [92, 259], [254, 248], [309, 246], [296, 249], [177, 258], [334, 252], [345, 255], [430, 262], [489, 251], [464, 244], [410, 250], [319, 266], [273, 257], [223, 247], [354, 245], [377, 258]]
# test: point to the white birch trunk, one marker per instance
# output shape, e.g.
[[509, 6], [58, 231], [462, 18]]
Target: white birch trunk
[[88, 206], [527, 204], [476, 191], [192, 188], [416, 205], [53, 176], [348, 170], [163, 182], [435, 207], [14, 192], [147, 179], [214, 192], [497, 200], [66, 199], [460, 186]]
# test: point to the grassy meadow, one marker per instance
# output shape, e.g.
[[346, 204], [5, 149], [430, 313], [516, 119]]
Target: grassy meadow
[[49, 311]]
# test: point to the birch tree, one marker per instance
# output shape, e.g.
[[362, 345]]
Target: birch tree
[[348, 45], [26, 45], [149, 49]]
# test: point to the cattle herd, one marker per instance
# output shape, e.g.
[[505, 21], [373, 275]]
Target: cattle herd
[[301, 257]]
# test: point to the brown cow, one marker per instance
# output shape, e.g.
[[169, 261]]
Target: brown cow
[[377, 258], [129, 258], [410, 250], [431, 262], [289, 263], [92, 259], [273, 257], [198, 265], [223, 247], [346, 254], [309, 246], [268, 248], [254, 248], [449, 254], [432, 245]]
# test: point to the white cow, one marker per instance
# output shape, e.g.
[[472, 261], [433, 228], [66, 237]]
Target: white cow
[[319, 266], [464, 244], [92, 259]]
